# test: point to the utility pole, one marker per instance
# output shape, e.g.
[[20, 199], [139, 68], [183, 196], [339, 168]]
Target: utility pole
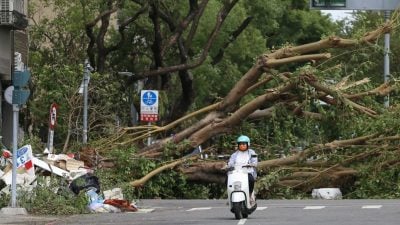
[[14, 157], [15, 117], [376, 5], [86, 77], [386, 69], [20, 96]]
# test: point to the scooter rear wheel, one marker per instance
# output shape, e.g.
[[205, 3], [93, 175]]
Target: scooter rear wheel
[[237, 210]]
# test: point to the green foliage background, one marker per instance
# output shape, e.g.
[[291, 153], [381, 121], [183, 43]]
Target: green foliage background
[[57, 52]]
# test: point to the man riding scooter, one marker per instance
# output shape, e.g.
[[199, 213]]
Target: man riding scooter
[[245, 156]]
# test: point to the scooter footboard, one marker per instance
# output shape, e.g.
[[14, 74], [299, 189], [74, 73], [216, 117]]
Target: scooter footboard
[[238, 196]]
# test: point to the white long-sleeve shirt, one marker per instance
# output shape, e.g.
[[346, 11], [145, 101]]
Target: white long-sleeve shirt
[[241, 158]]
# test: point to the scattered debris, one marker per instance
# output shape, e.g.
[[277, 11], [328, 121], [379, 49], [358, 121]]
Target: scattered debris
[[85, 182], [25, 168], [76, 172], [123, 205], [115, 193], [326, 193], [109, 204]]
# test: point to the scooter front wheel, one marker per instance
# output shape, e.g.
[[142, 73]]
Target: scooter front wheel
[[237, 210]]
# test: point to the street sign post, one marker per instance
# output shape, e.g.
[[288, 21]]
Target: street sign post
[[52, 125], [86, 78], [20, 79], [149, 105], [53, 115], [149, 108]]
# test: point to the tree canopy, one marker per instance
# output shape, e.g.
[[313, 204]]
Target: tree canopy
[[306, 89]]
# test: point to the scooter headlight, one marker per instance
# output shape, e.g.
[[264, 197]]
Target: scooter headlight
[[237, 186]]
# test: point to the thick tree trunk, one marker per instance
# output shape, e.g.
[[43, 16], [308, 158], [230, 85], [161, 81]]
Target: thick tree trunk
[[305, 174]]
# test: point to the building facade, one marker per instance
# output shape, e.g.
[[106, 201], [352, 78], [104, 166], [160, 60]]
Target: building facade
[[13, 39]]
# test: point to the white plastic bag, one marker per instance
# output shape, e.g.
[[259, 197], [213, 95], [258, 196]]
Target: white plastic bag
[[326, 193]]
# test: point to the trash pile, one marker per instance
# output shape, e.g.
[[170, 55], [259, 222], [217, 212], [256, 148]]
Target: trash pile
[[78, 175], [113, 201]]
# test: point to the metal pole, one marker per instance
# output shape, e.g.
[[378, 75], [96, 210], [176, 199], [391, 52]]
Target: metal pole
[[14, 156], [15, 132], [149, 138], [51, 138], [85, 101], [386, 69]]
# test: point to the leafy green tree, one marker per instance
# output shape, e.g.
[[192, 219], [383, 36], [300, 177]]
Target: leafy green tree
[[289, 21], [243, 61], [57, 53]]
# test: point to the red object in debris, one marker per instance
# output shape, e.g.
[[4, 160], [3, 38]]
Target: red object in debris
[[28, 165], [71, 155], [6, 154], [124, 205]]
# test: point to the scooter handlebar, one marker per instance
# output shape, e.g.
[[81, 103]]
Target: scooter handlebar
[[247, 166], [230, 169]]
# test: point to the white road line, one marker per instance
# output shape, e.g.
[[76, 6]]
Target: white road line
[[144, 211], [261, 208], [371, 207], [314, 207], [195, 209], [242, 221]]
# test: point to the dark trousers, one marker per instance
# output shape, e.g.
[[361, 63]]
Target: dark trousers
[[251, 183]]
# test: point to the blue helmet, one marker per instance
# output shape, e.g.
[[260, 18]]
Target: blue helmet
[[243, 138]]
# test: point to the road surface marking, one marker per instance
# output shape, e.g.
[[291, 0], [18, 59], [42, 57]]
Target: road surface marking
[[144, 211], [314, 207], [371, 207], [202, 208], [261, 208], [242, 221]]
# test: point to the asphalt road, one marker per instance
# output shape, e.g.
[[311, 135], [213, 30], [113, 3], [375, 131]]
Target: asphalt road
[[271, 212]]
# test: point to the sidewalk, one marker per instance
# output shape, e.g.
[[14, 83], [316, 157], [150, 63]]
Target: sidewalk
[[26, 219]]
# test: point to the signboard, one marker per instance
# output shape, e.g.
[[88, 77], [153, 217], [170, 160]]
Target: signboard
[[148, 105], [355, 4], [24, 167], [8, 93], [20, 80], [52, 125], [328, 3], [53, 116], [24, 160]]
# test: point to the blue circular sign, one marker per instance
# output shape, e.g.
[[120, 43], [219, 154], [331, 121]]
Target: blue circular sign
[[21, 151], [149, 98]]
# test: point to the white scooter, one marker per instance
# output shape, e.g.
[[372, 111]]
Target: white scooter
[[238, 192]]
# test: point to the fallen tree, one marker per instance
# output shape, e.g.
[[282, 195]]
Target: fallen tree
[[304, 170]]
